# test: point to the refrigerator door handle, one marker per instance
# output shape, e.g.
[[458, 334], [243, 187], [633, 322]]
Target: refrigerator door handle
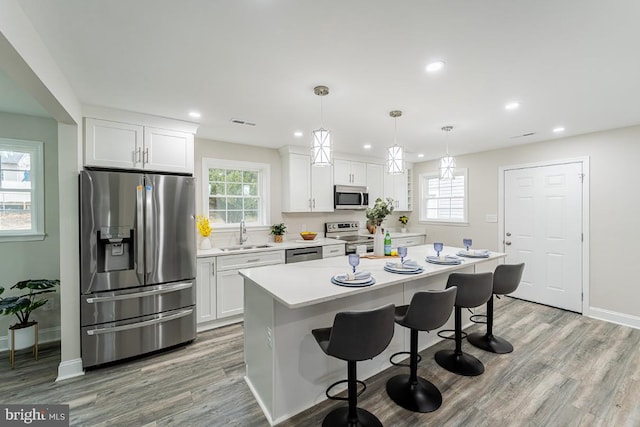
[[159, 319], [149, 226], [139, 244], [178, 287]]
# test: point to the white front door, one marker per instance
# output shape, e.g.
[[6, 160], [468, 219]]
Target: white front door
[[543, 229]]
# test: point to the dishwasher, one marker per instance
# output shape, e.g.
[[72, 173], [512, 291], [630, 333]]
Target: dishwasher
[[302, 254]]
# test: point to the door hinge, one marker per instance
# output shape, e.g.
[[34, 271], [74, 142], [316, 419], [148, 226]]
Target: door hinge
[[581, 176], [582, 237]]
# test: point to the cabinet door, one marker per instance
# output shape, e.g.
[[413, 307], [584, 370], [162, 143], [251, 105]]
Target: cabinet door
[[409, 241], [375, 184], [341, 172], [112, 144], [395, 186], [299, 183], [358, 173], [206, 290], [229, 293], [321, 189], [168, 150]]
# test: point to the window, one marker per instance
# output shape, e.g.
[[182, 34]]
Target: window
[[21, 190], [235, 191], [443, 200]]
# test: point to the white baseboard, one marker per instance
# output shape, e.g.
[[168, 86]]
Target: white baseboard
[[44, 336], [615, 317], [70, 369]]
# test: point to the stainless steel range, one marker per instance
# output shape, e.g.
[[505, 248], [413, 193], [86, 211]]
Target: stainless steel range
[[348, 231]]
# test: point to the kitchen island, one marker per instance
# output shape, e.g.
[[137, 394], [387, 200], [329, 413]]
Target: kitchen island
[[285, 368]]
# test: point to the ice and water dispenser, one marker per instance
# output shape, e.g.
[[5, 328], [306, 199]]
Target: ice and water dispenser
[[115, 249]]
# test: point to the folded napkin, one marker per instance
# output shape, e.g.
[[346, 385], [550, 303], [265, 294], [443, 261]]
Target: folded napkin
[[408, 263], [447, 259], [359, 275], [475, 252]]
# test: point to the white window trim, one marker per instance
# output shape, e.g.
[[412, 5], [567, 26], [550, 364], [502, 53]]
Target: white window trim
[[436, 174], [36, 149], [211, 163]]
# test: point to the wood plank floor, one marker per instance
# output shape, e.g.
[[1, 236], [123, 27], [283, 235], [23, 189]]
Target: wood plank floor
[[566, 370]]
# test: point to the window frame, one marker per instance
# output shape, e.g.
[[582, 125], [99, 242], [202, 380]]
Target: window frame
[[264, 169], [423, 180], [36, 176]]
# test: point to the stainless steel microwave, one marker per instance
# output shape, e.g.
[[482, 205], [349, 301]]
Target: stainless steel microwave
[[350, 197]]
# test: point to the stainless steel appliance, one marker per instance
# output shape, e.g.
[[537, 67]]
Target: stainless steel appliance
[[137, 263], [350, 197], [348, 231], [302, 254]]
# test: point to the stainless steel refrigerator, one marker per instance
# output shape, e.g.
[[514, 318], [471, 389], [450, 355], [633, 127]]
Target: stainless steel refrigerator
[[138, 263]]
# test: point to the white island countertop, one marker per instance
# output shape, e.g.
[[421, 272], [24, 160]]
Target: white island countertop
[[303, 284]]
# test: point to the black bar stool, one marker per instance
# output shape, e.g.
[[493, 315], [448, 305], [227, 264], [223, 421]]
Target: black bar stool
[[427, 311], [473, 291], [506, 279], [355, 336]]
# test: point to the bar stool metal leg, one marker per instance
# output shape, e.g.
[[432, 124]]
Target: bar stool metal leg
[[410, 391], [457, 361], [488, 341]]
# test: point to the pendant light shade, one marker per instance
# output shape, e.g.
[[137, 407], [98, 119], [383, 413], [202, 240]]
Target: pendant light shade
[[395, 153], [321, 142], [447, 162]]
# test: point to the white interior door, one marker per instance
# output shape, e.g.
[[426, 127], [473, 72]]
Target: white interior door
[[543, 229]]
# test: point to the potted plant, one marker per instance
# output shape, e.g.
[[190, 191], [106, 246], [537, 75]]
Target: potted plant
[[23, 305], [278, 230], [403, 220], [378, 213]]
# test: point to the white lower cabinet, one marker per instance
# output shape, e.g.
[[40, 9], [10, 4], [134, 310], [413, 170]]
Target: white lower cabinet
[[220, 287], [408, 241], [333, 250]]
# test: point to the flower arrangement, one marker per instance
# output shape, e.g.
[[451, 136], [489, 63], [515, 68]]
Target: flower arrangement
[[204, 227], [278, 229], [379, 211], [403, 219]]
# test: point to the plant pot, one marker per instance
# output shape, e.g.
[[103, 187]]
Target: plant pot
[[205, 243], [403, 230], [25, 335], [371, 228], [277, 238]]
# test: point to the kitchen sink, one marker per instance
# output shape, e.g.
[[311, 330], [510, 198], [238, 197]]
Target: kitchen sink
[[244, 248]]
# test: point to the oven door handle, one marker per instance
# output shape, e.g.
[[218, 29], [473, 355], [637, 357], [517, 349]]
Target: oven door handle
[[160, 319]]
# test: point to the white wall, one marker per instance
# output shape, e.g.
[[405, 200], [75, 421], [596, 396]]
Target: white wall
[[614, 210], [35, 259]]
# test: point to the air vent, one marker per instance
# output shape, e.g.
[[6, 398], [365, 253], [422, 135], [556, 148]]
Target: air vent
[[523, 135], [242, 122]]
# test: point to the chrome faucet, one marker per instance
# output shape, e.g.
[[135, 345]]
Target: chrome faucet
[[243, 232]]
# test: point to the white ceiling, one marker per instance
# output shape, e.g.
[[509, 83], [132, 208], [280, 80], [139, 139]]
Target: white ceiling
[[571, 63]]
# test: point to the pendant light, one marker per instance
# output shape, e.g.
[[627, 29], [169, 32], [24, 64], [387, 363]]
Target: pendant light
[[395, 153], [321, 142], [447, 162]]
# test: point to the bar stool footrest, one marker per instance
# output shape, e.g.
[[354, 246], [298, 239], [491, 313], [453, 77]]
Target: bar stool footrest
[[335, 397], [479, 318], [402, 364], [449, 331]]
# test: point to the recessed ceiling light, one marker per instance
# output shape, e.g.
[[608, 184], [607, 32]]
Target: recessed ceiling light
[[297, 134], [420, 155], [366, 146], [558, 129], [512, 106], [435, 66], [195, 114]]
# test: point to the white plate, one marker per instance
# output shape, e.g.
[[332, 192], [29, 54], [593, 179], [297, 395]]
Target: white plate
[[341, 278], [402, 269]]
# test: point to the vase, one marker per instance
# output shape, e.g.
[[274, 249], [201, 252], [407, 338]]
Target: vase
[[403, 230], [378, 242], [205, 243], [24, 336], [371, 228], [277, 238]]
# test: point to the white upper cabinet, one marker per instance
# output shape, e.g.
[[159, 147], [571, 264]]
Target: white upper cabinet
[[375, 182], [124, 145], [305, 188], [347, 172], [168, 150], [397, 187]]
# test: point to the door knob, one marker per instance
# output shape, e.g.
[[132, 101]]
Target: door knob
[[507, 243]]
